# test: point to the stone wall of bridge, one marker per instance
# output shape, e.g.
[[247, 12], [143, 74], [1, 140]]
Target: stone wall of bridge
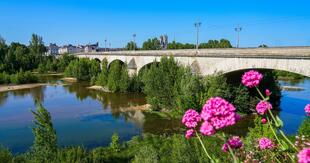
[[210, 65]]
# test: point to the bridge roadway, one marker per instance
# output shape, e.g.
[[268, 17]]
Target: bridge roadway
[[209, 61]]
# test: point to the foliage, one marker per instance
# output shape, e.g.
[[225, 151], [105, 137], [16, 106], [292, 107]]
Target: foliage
[[131, 46], [118, 77], [287, 75], [160, 81], [44, 148], [20, 77], [83, 69], [115, 146], [178, 45], [5, 155], [223, 43], [304, 128], [263, 46], [102, 78], [151, 44]]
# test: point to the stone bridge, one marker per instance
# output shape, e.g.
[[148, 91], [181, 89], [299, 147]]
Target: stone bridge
[[210, 61]]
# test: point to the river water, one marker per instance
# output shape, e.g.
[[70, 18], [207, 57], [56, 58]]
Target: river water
[[89, 118]]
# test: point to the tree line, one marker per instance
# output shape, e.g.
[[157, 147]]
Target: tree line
[[154, 44], [17, 61]]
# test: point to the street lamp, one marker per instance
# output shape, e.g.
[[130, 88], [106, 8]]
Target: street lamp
[[238, 29], [134, 41], [197, 26], [105, 44]]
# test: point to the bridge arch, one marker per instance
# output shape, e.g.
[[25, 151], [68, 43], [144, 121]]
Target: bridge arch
[[114, 61], [147, 66]]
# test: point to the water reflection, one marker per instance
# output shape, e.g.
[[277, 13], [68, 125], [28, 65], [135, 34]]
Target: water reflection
[[89, 118]]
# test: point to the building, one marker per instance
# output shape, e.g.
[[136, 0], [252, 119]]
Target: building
[[91, 47], [52, 49], [70, 49]]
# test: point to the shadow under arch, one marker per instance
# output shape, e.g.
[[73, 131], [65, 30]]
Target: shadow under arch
[[115, 61], [98, 60], [147, 66]]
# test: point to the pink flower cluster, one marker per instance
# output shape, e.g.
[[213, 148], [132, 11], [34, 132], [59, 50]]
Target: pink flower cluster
[[207, 129], [189, 133], [307, 109], [265, 143], [218, 113], [304, 156], [251, 78], [262, 107], [191, 118], [234, 143]]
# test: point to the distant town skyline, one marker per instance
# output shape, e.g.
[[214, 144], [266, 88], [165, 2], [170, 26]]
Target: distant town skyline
[[275, 23]]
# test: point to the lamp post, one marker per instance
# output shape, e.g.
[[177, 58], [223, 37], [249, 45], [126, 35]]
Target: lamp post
[[134, 41], [197, 26], [105, 44], [238, 29]]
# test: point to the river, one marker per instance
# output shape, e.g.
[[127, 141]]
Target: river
[[89, 118]]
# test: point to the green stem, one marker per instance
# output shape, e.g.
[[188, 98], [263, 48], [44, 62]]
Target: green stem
[[230, 150], [203, 146], [261, 95], [274, 133], [288, 140], [232, 154], [273, 118]]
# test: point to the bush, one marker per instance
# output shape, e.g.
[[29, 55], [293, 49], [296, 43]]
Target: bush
[[118, 77], [304, 128], [83, 69], [5, 155]]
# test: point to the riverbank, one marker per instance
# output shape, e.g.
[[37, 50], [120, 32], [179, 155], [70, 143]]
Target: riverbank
[[5, 88], [99, 88], [69, 79]]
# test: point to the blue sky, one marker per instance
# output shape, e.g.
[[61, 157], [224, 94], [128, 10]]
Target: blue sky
[[272, 22]]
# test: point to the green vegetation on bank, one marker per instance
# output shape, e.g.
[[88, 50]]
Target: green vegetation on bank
[[17, 61], [20, 77], [148, 148], [285, 75], [182, 88]]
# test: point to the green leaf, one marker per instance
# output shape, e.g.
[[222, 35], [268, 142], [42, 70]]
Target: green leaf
[[279, 122]]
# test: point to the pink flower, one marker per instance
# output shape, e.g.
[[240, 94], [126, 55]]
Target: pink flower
[[265, 143], [264, 121], [219, 113], [267, 92], [207, 129], [304, 156], [307, 109], [191, 118], [189, 133], [251, 78], [262, 107], [234, 143]]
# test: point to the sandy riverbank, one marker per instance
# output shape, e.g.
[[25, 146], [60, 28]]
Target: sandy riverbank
[[69, 79], [4, 88], [145, 107], [99, 88]]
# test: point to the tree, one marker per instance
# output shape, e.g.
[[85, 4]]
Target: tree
[[160, 81], [151, 44], [118, 77], [131, 46], [115, 146], [44, 148], [102, 78], [37, 48]]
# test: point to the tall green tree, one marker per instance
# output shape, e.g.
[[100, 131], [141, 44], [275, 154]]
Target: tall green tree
[[160, 81], [118, 77], [131, 46], [151, 44], [102, 78], [44, 148], [37, 48]]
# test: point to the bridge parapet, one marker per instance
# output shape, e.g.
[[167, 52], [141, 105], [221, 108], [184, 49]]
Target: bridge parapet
[[285, 52]]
